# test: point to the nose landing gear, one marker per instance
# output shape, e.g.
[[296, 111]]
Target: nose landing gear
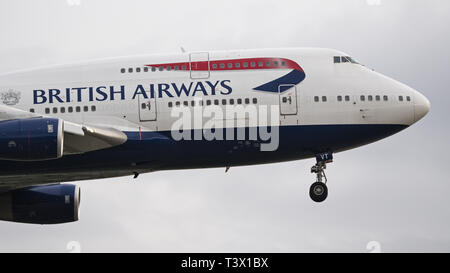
[[318, 190]]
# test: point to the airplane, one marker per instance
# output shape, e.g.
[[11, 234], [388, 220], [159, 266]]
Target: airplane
[[131, 115]]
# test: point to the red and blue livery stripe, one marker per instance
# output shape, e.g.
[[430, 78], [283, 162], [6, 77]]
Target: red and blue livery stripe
[[281, 84]]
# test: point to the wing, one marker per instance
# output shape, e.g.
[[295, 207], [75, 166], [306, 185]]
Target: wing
[[85, 138]]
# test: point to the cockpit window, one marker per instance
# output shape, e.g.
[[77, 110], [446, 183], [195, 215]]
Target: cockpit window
[[353, 61], [344, 59], [348, 59]]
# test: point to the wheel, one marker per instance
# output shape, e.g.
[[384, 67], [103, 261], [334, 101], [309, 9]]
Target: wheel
[[318, 192]]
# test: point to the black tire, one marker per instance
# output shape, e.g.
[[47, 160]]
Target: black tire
[[318, 192]]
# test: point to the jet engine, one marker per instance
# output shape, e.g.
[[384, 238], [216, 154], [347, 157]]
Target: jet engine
[[50, 204], [31, 139]]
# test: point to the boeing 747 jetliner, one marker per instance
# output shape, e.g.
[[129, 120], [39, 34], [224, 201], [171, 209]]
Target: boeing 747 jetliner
[[133, 115]]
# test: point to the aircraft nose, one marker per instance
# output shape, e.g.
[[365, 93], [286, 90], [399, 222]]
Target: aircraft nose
[[421, 106]]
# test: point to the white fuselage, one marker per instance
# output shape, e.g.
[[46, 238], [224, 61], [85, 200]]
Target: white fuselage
[[330, 90]]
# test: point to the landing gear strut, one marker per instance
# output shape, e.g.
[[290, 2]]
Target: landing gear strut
[[318, 190]]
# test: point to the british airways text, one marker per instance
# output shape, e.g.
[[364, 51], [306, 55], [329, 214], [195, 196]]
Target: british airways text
[[110, 93]]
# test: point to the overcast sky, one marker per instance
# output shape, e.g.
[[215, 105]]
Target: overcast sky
[[395, 192]]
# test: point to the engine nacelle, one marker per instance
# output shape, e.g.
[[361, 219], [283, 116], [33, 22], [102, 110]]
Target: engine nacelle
[[31, 139], [52, 204]]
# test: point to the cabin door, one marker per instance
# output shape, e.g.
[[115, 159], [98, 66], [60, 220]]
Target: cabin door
[[199, 65], [147, 107], [288, 99]]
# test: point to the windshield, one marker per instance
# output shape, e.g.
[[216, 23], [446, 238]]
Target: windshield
[[349, 59], [344, 59]]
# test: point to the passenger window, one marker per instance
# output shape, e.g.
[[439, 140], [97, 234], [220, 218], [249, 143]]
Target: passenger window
[[161, 68], [145, 69], [153, 69], [363, 98], [70, 109], [385, 98], [239, 101], [347, 98], [183, 67], [377, 98], [260, 64], [185, 103], [138, 69], [370, 98], [85, 108], [216, 102], [268, 64], [230, 65], [214, 66], [275, 63], [324, 98], [339, 98], [169, 68], [47, 110], [177, 103], [143, 105], [32, 110], [208, 102], [400, 98], [252, 64], [78, 109], [224, 102], [255, 100], [193, 103], [178, 68], [245, 64], [238, 65], [55, 110], [130, 70], [283, 63], [337, 59], [93, 108], [247, 101], [231, 101], [122, 70], [62, 110], [170, 104], [284, 100], [408, 98], [222, 65], [316, 98]]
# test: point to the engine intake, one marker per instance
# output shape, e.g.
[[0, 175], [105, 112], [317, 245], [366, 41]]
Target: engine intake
[[52, 204], [31, 139]]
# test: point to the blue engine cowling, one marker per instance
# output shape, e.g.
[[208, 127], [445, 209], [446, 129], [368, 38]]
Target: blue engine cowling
[[52, 204], [31, 139]]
